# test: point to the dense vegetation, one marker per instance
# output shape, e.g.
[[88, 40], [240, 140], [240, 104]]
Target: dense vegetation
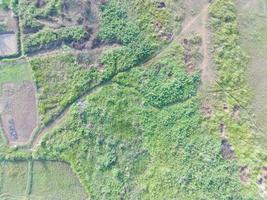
[[134, 129], [29, 13], [60, 81], [136, 47], [47, 38], [121, 145]]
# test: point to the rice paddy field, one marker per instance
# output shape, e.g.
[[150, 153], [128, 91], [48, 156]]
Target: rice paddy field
[[41, 181]]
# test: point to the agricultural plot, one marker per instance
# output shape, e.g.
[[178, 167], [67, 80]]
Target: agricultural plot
[[42, 181], [13, 180], [55, 180], [8, 33], [253, 27], [18, 106], [8, 44]]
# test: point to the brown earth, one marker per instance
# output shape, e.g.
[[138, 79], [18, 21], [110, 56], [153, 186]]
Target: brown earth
[[18, 111], [9, 21], [8, 44]]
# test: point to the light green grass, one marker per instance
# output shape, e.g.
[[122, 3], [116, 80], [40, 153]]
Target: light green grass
[[253, 29], [15, 72], [14, 177], [49, 181], [54, 180]]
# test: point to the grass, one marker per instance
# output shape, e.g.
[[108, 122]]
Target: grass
[[253, 33], [142, 136], [234, 91], [14, 180], [14, 72], [4, 4], [60, 81], [52, 180], [48, 181], [56, 93]]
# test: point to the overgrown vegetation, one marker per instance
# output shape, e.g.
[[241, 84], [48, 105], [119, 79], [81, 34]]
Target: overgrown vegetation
[[47, 38], [121, 145], [230, 104], [60, 81], [135, 48]]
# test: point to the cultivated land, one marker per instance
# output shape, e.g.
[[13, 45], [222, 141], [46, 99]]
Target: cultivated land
[[141, 99]]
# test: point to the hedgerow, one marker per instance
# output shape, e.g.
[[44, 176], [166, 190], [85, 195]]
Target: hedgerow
[[29, 13], [46, 38]]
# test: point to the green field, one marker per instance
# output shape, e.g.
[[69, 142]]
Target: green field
[[14, 72], [253, 27], [49, 181]]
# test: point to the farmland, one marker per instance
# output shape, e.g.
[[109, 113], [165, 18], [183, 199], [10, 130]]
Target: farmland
[[41, 180], [139, 99]]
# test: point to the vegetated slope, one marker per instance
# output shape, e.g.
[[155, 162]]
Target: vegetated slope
[[141, 137]]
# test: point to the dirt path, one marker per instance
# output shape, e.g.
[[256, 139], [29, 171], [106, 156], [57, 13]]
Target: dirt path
[[186, 28], [207, 71]]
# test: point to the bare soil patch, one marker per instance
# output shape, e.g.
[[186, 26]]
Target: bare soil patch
[[8, 44], [244, 174], [18, 111], [199, 24], [8, 20]]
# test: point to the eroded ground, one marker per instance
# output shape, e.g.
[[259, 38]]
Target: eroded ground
[[8, 44]]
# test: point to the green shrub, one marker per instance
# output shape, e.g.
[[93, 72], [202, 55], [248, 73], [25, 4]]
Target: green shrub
[[45, 38]]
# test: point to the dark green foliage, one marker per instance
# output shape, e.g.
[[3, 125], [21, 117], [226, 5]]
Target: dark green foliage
[[164, 83], [142, 136], [116, 26], [44, 39], [54, 91], [29, 13]]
